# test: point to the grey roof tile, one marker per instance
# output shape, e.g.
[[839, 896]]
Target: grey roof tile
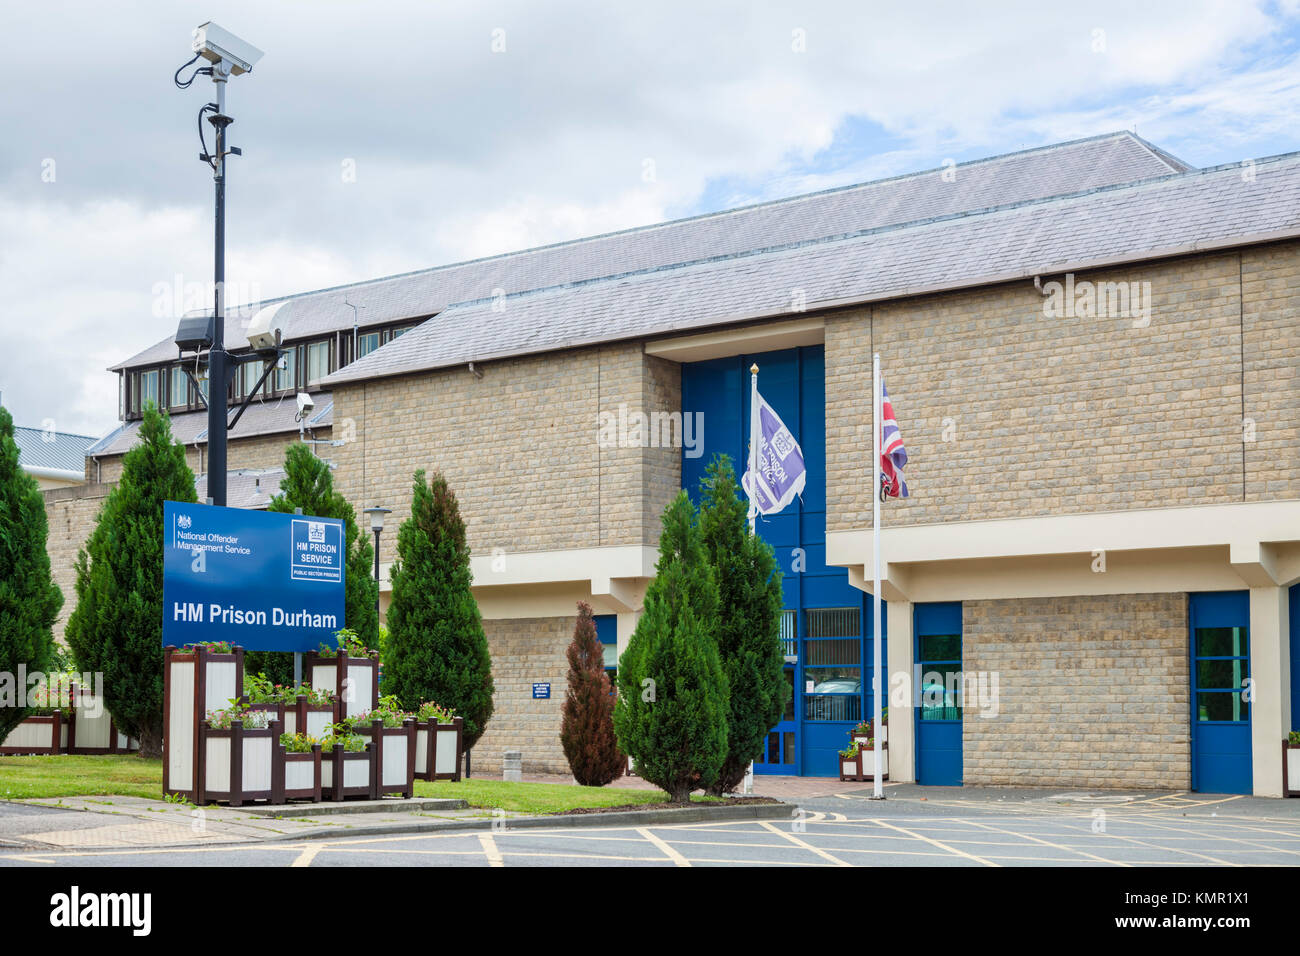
[[1030, 174], [264, 417], [1190, 211]]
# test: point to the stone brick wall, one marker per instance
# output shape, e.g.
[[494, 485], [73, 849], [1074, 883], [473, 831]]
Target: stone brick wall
[[524, 651], [1271, 317], [519, 446], [1008, 413], [1093, 692], [71, 514]]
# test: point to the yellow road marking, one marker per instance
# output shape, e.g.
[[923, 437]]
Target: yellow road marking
[[308, 854], [803, 843], [490, 850], [664, 848], [942, 846]]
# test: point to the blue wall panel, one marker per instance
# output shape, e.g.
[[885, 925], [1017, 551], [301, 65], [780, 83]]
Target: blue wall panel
[[793, 382]]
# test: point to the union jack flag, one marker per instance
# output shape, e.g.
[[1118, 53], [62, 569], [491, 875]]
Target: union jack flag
[[892, 454]]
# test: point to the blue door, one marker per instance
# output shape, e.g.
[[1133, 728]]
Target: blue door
[[1221, 752], [938, 712]]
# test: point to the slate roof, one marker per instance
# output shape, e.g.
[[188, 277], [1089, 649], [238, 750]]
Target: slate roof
[[1054, 170], [1182, 213], [59, 451], [246, 488], [264, 417]]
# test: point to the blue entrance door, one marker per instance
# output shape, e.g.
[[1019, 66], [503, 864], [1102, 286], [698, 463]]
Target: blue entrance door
[[1221, 757], [938, 712]]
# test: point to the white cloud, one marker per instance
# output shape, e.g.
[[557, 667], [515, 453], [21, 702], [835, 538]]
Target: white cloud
[[460, 152]]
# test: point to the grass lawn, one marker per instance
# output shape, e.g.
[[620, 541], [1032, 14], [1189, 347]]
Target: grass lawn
[[539, 798], [76, 775]]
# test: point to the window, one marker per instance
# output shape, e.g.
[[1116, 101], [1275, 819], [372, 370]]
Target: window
[[287, 377], [833, 664], [397, 333], [367, 343], [607, 632], [1222, 668], [939, 663], [178, 395], [318, 361], [148, 389], [249, 373]]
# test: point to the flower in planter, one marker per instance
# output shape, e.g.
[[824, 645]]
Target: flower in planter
[[349, 644], [431, 710], [353, 743], [849, 752], [251, 719], [1294, 738], [298, 743]]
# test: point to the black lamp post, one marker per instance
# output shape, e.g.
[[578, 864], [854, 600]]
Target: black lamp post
[[377, 513]]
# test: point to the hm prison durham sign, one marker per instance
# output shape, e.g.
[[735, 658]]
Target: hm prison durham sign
[[263, 580]]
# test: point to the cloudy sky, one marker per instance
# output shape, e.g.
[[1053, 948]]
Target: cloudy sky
[[386, 136]]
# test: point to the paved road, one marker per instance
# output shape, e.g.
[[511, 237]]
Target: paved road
[[1019, 828]]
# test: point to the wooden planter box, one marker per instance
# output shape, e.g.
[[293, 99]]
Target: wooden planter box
[[238, 765], [1290, 769], [305, 718], [297, 776], [330, 673], [394, 763], [344, 774], [438, 749], [40, 735], [89, 734], [194, 682], [863, 766]]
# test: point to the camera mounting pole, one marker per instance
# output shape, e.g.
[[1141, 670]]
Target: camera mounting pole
[[228, 56], [219, 368]]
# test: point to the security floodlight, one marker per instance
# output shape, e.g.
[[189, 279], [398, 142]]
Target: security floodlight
[[265, 331], [194, 334], [305, 403], [216, 44]]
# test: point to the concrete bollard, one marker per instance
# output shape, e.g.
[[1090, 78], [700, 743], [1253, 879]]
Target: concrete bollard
[[512, 766]]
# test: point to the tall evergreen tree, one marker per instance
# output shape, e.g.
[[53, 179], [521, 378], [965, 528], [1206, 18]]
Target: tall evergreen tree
[[309, 484], [749, 621], [437, 650], [671, 713], [116, 628], [29, 598], [587, 719]]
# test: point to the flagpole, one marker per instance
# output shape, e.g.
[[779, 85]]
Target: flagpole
[[753, 511], [877, 789], [753, 441]]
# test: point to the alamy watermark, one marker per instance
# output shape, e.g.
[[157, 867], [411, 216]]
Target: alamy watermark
[[39, 689], [1100, 300], [636, 429]]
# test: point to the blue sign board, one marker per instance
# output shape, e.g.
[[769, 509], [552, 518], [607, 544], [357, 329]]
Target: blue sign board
[[541, 692], [263, 580]]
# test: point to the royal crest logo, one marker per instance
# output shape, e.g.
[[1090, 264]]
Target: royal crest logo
[[316, 532], [184, 520]]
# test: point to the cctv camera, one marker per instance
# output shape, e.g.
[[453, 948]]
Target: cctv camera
[[305, 404], [216, 44]]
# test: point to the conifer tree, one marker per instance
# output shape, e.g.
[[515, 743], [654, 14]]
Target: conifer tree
[[309, 484], [29, 598], [587, 720], [116, 628], [749, 621], [437, 650], [671, 712]]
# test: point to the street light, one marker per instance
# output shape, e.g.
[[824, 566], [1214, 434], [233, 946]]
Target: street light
[[377, 513]]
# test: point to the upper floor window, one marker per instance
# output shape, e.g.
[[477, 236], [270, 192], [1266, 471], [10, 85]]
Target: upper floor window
[[286, 376], [367, 343], [148, 388], [178, 388], [318, 361], [249, 373]]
